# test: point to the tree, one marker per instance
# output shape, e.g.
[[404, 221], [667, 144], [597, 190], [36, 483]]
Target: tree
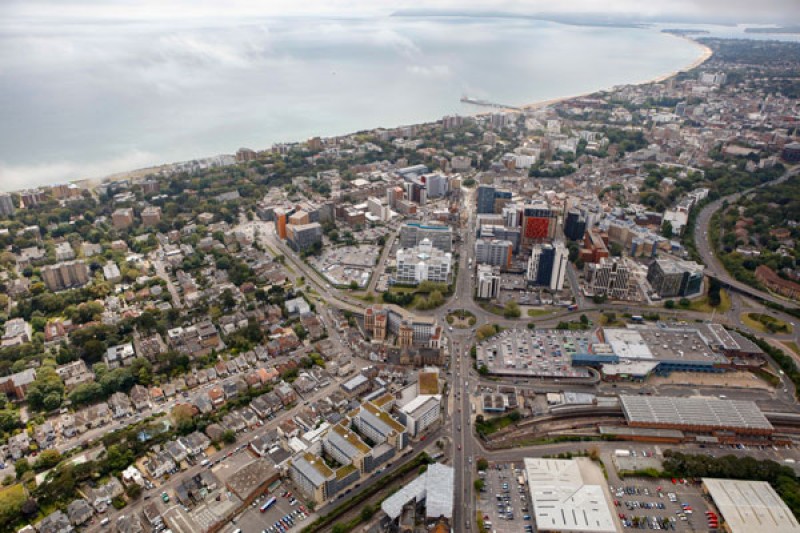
[[29, 508], [9, 420], [684, 302], [584, 320], [669, 304], [86, 393], [229, 436], [47, 459], [478, 484], [666, 229], [134, 490], [483, 370], [367, 512], [47, 391], [21, 466], [511, 310], [117, 459], [482, 464], [182, 414]]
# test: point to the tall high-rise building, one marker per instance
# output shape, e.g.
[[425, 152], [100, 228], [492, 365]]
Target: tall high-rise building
[[512, 215], [6, 205], [493, 252], [436, 184], [485, 199], [65, 275], [547, 265], [488, 282], [575, 225], [610, 277], [503, 233], [538, 222], [670, 277], [302, 237], [452, 121]]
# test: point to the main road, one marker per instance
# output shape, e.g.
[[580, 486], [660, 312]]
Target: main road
[[706, 250]]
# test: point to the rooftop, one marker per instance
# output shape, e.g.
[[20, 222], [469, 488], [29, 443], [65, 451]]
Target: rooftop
[[351, 438], [384, 417], [662, 344], [568, 495], [436, 486], [313, 468], [669, 410], [751, 506], [428, 383]]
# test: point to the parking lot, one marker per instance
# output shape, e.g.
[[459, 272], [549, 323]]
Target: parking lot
[[255, 521], [660, 504], [504, 502]]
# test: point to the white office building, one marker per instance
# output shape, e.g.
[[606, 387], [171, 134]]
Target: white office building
[[423, 263], [488, 282]]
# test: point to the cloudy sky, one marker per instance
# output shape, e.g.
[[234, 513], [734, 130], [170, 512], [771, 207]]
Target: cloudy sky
[[778, 11]]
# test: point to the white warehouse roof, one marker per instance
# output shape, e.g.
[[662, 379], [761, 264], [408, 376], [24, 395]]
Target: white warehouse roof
[[751, 506], [569, 495]]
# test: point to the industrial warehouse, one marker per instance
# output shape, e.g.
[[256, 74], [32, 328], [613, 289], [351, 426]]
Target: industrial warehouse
[[631, 353], [750, 506], [570, 495], [728, 419]]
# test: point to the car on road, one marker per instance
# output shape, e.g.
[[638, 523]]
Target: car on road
[[459, 446]]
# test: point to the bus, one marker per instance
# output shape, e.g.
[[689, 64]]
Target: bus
[[267, 504]]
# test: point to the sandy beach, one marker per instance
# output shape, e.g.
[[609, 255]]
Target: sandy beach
[[705, 56]]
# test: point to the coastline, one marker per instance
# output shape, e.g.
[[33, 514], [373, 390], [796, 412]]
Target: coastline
[[705, 56], [135, 174]]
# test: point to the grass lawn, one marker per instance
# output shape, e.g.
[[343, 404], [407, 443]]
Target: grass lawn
[[492, 308], [492, 425], [701, 305], [402, 290], [461, 319], [769, 377], [793, 346], [617, 322], [538, 312], [751, 320]]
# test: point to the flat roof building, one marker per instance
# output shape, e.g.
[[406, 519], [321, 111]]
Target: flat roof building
[[569, 495], [750, 506], [697, 414], [638, 351], [413, 233]]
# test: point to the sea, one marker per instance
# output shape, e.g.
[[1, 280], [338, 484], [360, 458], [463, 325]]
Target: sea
[[87, 99]]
